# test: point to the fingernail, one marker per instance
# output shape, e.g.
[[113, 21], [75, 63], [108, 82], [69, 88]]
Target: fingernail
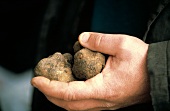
[[84, 37]]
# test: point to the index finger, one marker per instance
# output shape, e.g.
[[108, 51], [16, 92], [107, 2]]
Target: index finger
[[76, 90]]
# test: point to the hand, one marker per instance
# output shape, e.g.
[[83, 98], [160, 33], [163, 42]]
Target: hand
[[123, 81]]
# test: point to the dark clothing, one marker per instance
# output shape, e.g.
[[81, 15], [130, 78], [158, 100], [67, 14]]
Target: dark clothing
[[34, 29], [158, 68], [158, 36]]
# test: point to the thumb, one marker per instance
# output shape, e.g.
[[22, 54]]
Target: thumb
[[104, 43]]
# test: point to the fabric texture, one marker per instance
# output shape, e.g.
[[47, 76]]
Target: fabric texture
[[158, 61], [158, 37]]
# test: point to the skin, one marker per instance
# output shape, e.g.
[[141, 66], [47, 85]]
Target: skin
[[123, 82]]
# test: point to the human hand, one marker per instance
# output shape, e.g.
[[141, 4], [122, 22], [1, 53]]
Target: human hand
[[123, 81]]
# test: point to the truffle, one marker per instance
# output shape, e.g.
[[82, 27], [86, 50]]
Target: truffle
[[62, 67], [56, 67], [87, 63]]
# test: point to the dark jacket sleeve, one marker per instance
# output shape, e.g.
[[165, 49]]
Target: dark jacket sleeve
[[158, 63]]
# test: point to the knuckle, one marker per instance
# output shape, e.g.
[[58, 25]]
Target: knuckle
[[98, 41], [123, 42], [69, 96]]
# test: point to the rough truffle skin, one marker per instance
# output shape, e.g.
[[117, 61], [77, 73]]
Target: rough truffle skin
[[87, 64], [55, 67]]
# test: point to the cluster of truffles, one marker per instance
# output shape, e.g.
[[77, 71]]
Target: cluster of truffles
[[63, 67]]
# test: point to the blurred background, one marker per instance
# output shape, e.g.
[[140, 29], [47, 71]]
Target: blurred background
[[33, 29], [20, 22]]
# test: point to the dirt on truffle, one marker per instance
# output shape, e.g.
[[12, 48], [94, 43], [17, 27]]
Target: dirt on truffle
[[87, 63], [56, 67], [63, 67]]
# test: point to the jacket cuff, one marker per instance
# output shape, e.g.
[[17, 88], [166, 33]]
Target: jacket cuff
[[157, 64]]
